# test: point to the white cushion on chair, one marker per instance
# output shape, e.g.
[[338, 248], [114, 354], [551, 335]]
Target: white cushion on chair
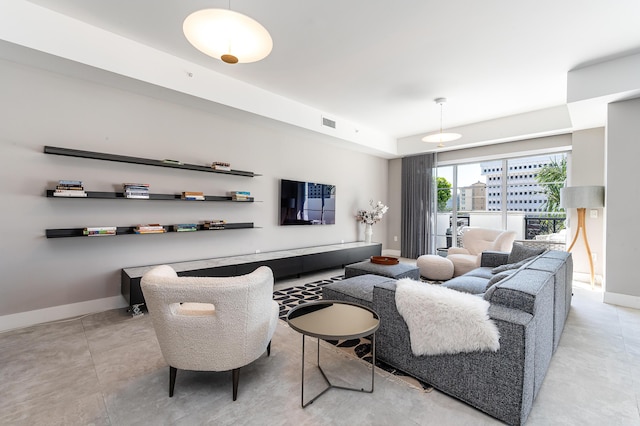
[[435, 267]]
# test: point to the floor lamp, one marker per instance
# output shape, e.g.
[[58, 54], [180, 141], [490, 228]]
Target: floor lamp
[[582, 198]]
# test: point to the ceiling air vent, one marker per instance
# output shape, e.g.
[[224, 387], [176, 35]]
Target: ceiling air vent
[[328, 122]]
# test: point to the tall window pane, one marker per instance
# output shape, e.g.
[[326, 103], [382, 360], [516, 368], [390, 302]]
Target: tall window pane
[[444, 181], [518, 194]]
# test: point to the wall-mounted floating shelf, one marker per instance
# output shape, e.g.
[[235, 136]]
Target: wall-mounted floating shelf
[[129, 230], [120, 195], [137, 160]]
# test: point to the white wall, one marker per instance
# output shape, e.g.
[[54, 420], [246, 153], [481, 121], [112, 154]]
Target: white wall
[[40, 107], [622, 203]]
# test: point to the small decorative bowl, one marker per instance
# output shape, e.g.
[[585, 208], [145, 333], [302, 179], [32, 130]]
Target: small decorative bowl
[[384, 260]]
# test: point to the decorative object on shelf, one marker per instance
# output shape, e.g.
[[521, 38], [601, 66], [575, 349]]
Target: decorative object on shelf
[[99, 231], [369, 217], [582, 198], [384, 260], [227, 35], [193, 195], [169, 161], [69, 188], [219, 165], [136, 190], [441, 137]]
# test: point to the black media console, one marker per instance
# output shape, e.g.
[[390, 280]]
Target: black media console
[[285, 263]]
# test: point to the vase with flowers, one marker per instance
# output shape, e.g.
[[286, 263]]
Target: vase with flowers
[[369, 217]]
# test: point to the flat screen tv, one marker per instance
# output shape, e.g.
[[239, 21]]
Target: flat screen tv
[[307, 203]]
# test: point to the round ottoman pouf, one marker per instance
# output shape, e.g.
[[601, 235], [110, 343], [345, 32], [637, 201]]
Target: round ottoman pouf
[[435, 267]]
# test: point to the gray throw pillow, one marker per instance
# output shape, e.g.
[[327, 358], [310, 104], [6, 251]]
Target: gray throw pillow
[[499, 277], [509, 266], [520, 252]]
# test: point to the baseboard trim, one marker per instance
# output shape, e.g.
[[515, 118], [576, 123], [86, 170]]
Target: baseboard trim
[[622, 300], [391, 253], [56, 313]]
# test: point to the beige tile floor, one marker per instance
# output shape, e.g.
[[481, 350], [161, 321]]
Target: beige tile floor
[[106, 369]]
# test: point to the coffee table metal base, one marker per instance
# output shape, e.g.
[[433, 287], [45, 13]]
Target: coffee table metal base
[[326, 379]]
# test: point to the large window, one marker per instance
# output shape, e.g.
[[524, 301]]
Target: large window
[[520, 194]]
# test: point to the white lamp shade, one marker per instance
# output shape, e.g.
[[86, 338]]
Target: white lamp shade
[[218, 32], [582, 197], [442, 137]]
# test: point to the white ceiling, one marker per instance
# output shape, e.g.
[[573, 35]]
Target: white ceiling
[[382, 64]]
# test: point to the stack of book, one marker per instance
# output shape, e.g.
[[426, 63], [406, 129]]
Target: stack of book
[[213, 224], [191, 195], [185, 227], [152, 228], [99, 231], [69, 188], [219, 165], [136, 190], [241, 196]]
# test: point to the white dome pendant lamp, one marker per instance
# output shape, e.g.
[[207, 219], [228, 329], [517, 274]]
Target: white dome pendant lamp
[[227, 35], [441, 137]]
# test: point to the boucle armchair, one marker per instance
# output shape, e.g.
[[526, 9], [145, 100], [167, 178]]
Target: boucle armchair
[[475, 240], [211, 323]]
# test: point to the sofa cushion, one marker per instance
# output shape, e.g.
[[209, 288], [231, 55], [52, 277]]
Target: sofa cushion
[[520, 252], [519, 291], [509, 266], [481, 272], [358, 289], [467, 284]]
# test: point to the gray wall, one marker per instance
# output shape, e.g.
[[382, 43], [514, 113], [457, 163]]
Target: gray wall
[[40, 107], [587, 168], [622, 203]]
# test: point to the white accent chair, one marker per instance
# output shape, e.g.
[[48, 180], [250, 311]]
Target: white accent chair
[[211, 323], [475, 240]]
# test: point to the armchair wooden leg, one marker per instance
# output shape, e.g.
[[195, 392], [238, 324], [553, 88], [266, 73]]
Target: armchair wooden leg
[[269, 348], [172, 379], [236, 377]]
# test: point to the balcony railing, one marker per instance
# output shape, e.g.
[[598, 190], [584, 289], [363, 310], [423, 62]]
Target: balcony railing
[[542, 225]]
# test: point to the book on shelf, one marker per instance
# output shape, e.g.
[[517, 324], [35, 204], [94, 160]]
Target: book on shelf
[[213, 224], [96, 231], [69, 188], [220, 165], [185, 227], [152, 228], [193, 195], [67, 182], [136, 190], [68, 193], [240, 195]]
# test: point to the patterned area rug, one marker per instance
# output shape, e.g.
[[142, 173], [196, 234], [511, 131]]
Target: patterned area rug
[[289, 298]]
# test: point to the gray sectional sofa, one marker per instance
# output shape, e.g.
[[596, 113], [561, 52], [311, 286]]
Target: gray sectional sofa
[[529, 305]]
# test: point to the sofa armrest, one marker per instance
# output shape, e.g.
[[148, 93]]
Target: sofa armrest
[[491, 259]]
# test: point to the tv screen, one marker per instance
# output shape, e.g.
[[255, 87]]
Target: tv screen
[[307, 203]]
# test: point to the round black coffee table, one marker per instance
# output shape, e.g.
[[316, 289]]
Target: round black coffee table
[[334, 320]]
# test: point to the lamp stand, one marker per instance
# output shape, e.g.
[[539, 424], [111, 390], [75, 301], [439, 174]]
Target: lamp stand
[[582, 227]]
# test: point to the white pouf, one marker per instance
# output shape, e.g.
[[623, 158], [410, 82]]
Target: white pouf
[[435, 267]]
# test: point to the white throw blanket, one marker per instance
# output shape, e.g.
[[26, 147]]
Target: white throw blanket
[[442, 320]]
